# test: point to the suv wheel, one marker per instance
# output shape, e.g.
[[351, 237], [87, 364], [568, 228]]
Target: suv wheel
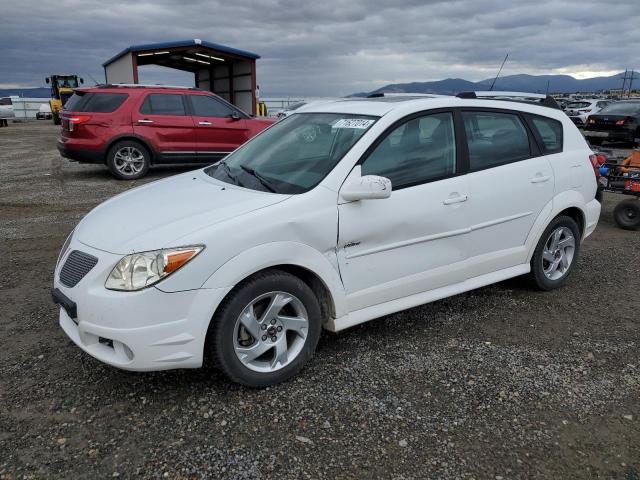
[[265, 330], [555, 254], [128, 160], [627, 214]]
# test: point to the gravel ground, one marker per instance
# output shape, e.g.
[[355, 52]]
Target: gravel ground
[[501, 382]]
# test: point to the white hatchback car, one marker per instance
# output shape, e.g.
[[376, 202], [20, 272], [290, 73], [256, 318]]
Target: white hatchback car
[[336, 215]]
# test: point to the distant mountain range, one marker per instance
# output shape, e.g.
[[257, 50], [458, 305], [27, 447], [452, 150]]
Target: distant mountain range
[[451, 86], [517, 83]]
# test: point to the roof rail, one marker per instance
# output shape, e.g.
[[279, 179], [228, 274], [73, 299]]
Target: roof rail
[[141, 85], [523, 97], [386, 94]]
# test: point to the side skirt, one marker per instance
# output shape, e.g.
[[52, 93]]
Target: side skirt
[[375, 311]]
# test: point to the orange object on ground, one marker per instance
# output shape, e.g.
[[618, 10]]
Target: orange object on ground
[[631, 163]]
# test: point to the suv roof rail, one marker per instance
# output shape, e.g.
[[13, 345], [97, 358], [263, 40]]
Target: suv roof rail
[[523, 97], [142, 85], [408, 95]]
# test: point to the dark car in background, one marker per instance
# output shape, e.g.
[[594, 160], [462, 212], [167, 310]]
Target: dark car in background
[[619, 121], [131, 128]]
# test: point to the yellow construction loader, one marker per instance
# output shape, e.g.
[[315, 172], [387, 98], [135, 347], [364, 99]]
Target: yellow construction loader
[[61, 89]]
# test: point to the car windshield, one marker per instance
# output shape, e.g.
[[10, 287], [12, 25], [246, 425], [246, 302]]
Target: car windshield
[[294, 155], [578, 105], [624, 108]]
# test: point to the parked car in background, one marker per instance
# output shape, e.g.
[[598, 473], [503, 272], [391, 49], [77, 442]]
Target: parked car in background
[[619, 121], [131, 128], [579, 111], [44, 113], [6, 108], [336, 215], [288, 110]]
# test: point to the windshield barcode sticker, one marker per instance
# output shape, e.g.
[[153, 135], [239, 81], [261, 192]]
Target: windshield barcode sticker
[[361, 123]]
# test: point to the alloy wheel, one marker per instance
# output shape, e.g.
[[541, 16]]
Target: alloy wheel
[[558, 253], [129, 161], [271, 332]]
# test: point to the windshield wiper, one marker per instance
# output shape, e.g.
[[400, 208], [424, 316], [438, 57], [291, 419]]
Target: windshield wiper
[[227, 172], [265, 183]]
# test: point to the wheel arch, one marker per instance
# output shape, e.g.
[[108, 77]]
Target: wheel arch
[[570, 203], [300, 260], [133, 138]]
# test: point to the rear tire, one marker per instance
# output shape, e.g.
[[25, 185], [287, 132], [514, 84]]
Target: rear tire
[[266, 329], [556, 254], [627, 214], [128, 160]]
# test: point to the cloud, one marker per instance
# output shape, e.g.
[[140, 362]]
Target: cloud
[[330, 47]]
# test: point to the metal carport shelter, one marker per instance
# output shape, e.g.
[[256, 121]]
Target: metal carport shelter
[[226, 71]]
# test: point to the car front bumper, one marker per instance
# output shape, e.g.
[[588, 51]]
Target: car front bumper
[[145, 330]]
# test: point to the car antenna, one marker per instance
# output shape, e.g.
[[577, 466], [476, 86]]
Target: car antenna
[[494, 80]]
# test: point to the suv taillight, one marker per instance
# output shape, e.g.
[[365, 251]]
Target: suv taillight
[[78, 119]]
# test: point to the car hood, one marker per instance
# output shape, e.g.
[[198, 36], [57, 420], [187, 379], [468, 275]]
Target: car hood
[[156, 215]]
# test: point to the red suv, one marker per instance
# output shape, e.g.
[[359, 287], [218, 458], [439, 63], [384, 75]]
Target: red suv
[[130, 128]]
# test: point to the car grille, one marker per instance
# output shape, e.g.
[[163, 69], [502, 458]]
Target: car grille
[[76, 267]]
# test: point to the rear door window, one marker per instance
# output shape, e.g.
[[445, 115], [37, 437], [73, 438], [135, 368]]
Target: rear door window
[[206, 106], [495, 138], [163, 104], [93, 102], [550, 133]]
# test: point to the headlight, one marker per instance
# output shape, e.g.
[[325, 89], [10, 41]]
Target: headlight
[[65, 245], [141, 270]]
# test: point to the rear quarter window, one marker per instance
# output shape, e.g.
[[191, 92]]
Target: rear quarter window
[[549, 132], [95, 102]]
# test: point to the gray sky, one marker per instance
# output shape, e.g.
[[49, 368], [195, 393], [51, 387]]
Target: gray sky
[[327, 47]]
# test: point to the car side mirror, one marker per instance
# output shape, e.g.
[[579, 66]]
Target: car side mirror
[[81, 80], [367, 187], [47, 80], [235, 116]]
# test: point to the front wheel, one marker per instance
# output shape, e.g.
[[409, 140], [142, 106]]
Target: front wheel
[[627, 214], [128, 160], [265, 330], [556, 253]]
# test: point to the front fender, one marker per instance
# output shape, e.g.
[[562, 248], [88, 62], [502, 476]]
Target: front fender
[[282, 253]]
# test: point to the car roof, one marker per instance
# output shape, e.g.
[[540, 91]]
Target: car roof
[[119, 87], [381, 106]]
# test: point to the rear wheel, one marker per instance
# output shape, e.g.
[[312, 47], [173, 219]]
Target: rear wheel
[[627, 214], [265, 330], [555, 254], [128, 160]]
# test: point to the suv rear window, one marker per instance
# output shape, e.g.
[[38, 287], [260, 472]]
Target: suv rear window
[[163, 104], [94, 102]]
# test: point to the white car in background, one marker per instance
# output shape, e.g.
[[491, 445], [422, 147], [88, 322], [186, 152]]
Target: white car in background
[[334, 216], [580, 110], [6, 108]]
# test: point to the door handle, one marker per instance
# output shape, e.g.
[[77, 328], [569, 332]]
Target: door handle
[[145, 121], [540, 179], [204, 123], [456, 199]]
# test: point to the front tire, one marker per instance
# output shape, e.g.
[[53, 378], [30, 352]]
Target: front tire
[[265, 330], [556, 254], [627, 214], [128, 160]]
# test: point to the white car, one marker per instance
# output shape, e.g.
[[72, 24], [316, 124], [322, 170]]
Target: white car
[[6, 108], [580, 110], [334, 216]]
